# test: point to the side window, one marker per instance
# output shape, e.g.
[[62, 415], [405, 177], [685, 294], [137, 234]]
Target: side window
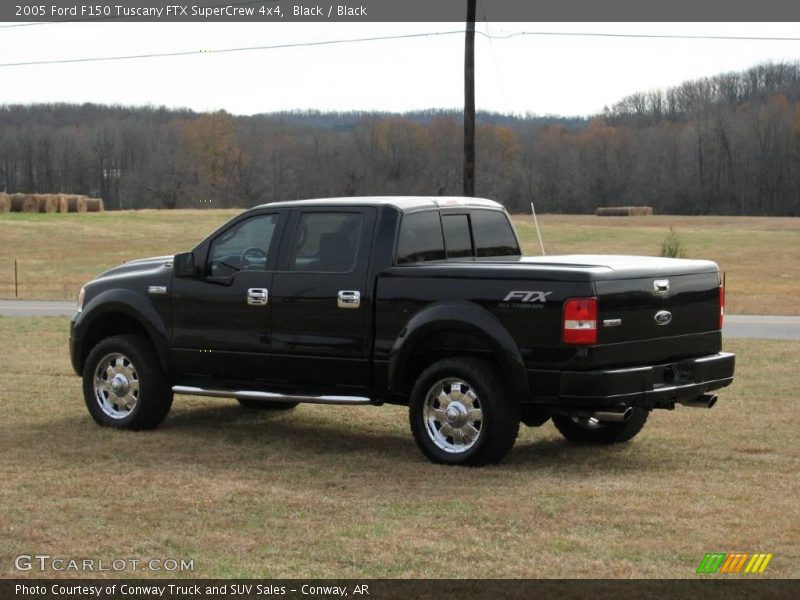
[[245, 246], [493, 234], [420, 238], [326, 241], [457, 238]]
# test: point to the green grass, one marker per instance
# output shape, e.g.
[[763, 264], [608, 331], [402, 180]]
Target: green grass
[[57, 253], [343, 491]]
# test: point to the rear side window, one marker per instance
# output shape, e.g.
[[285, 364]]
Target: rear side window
[[493, 234], [420, 238], [326, 242], [457, 237]]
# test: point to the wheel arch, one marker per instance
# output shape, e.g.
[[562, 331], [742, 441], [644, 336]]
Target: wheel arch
[[118, 312], [454, 329]]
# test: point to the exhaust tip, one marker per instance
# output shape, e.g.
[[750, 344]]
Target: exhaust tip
[[704, 401], [620, 416]]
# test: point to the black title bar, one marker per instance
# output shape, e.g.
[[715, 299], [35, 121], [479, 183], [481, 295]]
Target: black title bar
[[708, 588]]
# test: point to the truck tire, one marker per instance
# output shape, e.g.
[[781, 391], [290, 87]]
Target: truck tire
[[462, 414], [591, 431], [123, 384], [251, 404]]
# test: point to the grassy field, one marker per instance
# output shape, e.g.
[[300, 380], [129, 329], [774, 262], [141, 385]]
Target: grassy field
[[759, 254], [341, 491], [56, 253]]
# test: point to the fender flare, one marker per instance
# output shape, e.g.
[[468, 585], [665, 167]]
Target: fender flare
[[131, 304], [467, 317]]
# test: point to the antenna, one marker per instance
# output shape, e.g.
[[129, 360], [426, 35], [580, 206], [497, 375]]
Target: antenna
[[539, 233]]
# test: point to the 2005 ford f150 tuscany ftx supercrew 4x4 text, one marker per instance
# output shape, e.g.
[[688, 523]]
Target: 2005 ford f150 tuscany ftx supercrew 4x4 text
[[425, 302]]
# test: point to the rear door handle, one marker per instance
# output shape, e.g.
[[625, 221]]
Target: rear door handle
[[257, 296], [349, 299]]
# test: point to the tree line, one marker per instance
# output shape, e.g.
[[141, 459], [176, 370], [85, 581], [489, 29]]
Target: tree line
[[728, 144]]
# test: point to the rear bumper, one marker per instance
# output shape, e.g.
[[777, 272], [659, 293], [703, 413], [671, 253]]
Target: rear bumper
[[654, 386]]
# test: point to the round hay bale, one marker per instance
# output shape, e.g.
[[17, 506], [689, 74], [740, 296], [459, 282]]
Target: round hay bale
[[61, 203], [76, 204], [94, 204], [5, 203], [47, 203], [24, 203]]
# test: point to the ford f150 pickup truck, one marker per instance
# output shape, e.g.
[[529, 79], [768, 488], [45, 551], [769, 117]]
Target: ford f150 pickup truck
[[424, 302]]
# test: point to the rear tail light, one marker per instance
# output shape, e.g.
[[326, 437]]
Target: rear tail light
[[721, 304], [579, 325]]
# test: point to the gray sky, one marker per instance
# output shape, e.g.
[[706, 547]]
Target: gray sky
[[525, 74]]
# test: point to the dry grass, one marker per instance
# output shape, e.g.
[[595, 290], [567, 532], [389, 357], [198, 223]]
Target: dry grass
[[759, 254], [57, 253], [342, 491]]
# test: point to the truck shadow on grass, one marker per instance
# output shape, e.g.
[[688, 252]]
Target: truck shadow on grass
[[317, 431], [301, 429], [208, 434]]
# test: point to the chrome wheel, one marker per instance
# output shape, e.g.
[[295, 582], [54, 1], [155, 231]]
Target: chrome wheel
[[453, 415], [116, 385]]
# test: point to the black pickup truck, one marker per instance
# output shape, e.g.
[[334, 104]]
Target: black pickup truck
[[424, 302]]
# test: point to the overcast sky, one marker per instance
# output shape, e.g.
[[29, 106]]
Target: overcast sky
[[524, 74]]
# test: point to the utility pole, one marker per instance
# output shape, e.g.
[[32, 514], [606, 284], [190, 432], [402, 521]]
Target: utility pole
[[469, 101]]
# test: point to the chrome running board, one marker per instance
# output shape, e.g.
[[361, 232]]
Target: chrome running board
[[272, 397]]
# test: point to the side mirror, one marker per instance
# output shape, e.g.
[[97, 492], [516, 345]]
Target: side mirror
[[183, 265]]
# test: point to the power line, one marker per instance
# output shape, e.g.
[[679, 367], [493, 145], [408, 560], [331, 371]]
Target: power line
[[229, 50], [505, 36], [663, 36], [497, 70], [392, 37], [31, 24]]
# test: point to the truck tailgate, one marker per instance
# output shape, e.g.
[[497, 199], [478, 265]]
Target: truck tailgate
[[647, 308], [650, 310]]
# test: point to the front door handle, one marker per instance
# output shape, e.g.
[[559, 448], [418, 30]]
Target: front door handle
[[257, 296], [349, 299]]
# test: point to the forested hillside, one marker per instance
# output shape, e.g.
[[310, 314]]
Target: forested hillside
[[728, 144]]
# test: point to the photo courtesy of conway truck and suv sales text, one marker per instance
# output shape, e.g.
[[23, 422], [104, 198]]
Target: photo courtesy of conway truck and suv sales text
[[424, 302]]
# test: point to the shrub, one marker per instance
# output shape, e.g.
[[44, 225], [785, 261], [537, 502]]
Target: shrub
[[672, 246]]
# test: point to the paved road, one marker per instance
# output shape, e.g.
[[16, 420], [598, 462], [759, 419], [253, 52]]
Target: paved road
[[756, 326], [36, 308], [736, 326]]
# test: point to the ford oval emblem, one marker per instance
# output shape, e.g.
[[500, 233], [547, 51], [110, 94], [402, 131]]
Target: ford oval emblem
[[663, 317]]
